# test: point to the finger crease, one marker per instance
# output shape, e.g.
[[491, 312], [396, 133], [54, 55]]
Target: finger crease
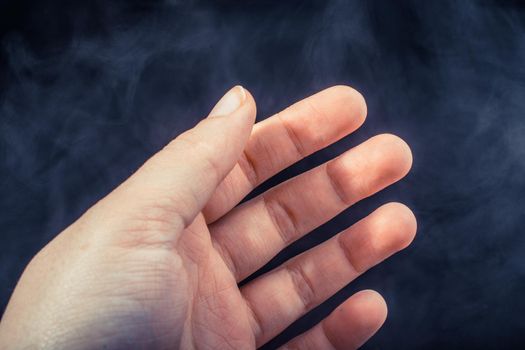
[[227, 257], [303, 285], [292, 135], [257, 328], [336, 185], [346, 250], [283, 219], [247, 165], [325, 333]]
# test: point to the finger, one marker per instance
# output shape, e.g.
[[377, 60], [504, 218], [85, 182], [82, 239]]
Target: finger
[[287, 137], [281, 296], [172, 187], [347, 327], [251, 234]]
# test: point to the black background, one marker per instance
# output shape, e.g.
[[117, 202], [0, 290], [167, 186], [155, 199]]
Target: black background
[[89, 90]]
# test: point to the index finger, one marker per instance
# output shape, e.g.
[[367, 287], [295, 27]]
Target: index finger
[[287, 137]]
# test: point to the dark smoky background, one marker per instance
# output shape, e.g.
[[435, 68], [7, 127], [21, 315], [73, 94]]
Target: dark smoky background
[[89, 90]]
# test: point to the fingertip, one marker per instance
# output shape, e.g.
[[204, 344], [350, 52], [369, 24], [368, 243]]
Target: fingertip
[[237, 101], [353, 102], [224, 117], [397, 156], [400, 221], [386, 231], [356, 320], [372, 306], [402, 151], [369, 167]]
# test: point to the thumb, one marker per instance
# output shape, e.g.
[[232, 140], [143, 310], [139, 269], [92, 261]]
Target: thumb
[[178, 181]]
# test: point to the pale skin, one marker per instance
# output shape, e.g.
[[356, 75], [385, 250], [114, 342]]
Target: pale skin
[[157, 262]]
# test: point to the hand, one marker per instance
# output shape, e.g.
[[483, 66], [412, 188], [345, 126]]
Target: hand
[[156, 263]]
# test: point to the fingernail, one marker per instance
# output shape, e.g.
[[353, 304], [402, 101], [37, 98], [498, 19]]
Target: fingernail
[[229, 103]]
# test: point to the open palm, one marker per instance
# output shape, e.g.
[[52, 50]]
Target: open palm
[[157, 263]]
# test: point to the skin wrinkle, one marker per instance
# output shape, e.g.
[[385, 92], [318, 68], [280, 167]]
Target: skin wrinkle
[[256, 323], [323, 325], [199, 146], [348, 254], [292, 135], [90, 89], [146, 292], [336, 184], [247, 166], [271, 153], [381, 226], [283, 219], [225, 254], [144, 230], [302, 283], [212, 309], [316, 111], [281, 205], [300, 343]]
